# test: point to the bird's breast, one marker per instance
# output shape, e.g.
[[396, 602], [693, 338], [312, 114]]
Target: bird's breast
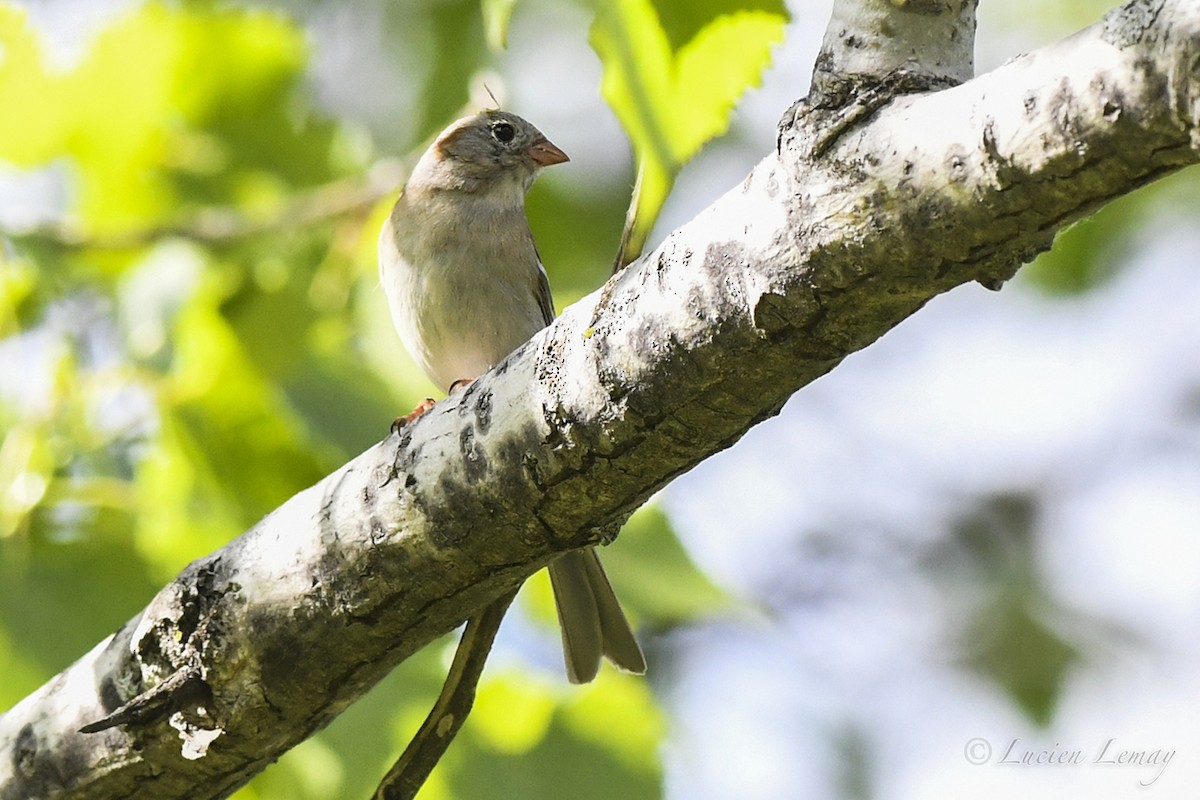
[[462, 288]]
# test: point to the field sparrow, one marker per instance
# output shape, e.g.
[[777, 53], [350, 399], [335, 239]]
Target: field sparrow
[[466, 288]]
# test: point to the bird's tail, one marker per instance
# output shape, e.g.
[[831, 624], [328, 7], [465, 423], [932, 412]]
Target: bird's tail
[[591, 619]]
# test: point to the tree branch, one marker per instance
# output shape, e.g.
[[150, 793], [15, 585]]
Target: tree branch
[[222, 225], [408, 774], [806, 261]]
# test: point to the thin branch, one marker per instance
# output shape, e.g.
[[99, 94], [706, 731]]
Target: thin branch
[[408, 774], [222, 225]]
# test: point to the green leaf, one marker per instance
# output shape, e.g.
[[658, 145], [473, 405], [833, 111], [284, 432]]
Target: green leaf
[[154, 123], [22, 674], [512, 713], [26, 85], [18, 285], [1010, 645], [62, 589], [602, 741], [229, 449], [622, 703], [672, 74], [1010, 640], [496, 15], [653, 574], [655, 580], [457, 50]]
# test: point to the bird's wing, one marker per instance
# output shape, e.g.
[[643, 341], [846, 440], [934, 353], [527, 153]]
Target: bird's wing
[[545, 300]]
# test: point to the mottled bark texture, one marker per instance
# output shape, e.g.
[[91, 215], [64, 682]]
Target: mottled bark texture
[[884, 192]]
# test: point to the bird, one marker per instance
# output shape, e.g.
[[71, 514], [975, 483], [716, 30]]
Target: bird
[[466, 287]]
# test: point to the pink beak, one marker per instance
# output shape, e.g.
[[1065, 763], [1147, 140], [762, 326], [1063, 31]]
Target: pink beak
[[545, 154]]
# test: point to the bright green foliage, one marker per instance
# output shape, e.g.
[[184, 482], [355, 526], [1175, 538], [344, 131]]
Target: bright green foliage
[[654, 575], [1094, 249], [220, 140], [600, 742], [177, 357], [651, 573], [560, 737], [25, 84], [496, 15], [672, 73]]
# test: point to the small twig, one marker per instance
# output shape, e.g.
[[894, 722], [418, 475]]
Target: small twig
[[184, 687], [222, 224], [408, 774], [628, 251]]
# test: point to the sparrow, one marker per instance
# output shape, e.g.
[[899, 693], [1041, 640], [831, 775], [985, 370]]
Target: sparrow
[[466, 287]]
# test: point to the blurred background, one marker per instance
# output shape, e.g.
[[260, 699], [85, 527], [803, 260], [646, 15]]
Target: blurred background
[[975, 542]]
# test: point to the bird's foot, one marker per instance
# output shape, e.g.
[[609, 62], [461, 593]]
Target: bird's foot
[[422, 407], [459, 385]]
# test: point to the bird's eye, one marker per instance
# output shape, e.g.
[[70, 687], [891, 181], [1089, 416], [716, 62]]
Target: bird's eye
[[504, 132]]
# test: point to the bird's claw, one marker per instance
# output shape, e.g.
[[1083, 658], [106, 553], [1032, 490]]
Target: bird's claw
[[422, 407]]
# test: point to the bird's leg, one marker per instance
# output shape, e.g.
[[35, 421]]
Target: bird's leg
[[422, 407], [459, 385], [426, 404]]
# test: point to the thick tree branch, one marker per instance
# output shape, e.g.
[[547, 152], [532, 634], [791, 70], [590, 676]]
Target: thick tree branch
[[866, 42], [808, 260]]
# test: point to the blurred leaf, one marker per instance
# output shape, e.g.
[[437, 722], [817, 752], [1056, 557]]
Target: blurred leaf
[[1092, 251], [1051, 20], [576, 235], [312, 770], [26, 469], [624, 703], [1010, 645], [25, 85], [673, 85], [18, 283], [602, 743], [230, 449], [1086, 254], [458, 49], [1008, 640], [22, 674], [856, 761], [193, 129], [154, 122], [341, 402], [496, 15], [653, 574], [303, 349], [51, 583], [511, 713], [655, 580]]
